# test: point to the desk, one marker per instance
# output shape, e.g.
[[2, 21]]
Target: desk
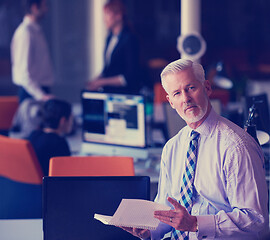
[[21, 229], [143, 167]]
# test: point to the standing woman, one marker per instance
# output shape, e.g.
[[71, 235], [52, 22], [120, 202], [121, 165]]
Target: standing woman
[[121, 55]]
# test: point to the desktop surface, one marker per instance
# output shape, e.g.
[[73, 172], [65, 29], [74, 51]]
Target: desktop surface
[[21, 229], [71, 202]]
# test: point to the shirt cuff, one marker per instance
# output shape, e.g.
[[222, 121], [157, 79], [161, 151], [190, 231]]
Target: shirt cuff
[[122, 80], [206, 226]]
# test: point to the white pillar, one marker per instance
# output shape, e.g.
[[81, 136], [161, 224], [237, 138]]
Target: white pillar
[[191, 45], [190, 16], [96, 37]]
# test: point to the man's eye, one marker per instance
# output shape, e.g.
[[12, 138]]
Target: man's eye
[[176, 93]]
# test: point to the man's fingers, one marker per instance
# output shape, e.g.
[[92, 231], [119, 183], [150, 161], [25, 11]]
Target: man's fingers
[[176, 204], [165, 219], [141, 233], [170, 213], [128, 229], [133, 231]]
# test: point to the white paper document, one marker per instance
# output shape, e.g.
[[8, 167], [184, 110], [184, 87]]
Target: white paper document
[[135, 213]]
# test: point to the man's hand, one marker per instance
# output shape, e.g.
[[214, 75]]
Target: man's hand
[[137, 232], [95, 84], [178, 218], [47, 97]]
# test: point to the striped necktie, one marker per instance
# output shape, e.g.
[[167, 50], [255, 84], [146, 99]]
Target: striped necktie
[[188, 180]]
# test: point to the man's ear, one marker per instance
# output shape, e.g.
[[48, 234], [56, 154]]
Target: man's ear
[[168, 98], [62, 122], [208, 88]]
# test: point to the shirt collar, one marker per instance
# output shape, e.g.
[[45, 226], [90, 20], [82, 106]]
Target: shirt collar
[[28, 21], [209, 123]]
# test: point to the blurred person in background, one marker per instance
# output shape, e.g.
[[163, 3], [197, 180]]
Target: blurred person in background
[[50, 141], [27, 118], [31, 64], [121, 55]]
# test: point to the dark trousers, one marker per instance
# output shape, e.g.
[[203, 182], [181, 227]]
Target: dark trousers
[[23, 94]]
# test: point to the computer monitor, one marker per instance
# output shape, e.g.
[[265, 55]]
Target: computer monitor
[[69, 205], [113, 124]]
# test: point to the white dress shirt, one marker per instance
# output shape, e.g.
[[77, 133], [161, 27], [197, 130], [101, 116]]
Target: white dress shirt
[[231, 193], [112, 44], [31, 64]]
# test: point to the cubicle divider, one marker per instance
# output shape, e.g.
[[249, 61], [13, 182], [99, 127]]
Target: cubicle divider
[[20, 180], [69, 205]]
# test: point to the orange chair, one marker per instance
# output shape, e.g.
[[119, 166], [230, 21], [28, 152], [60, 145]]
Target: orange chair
[[20, 180], [8, 107], [91, 166], [159, 94], [159, 117]]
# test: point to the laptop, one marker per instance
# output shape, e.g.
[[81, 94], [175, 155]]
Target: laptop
[[69, 205]]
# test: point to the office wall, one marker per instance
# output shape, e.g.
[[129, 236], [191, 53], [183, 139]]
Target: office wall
[[66, 27], [10, 17], [235, 31]]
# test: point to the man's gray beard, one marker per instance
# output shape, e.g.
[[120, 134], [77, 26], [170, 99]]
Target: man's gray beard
[[197, 118]]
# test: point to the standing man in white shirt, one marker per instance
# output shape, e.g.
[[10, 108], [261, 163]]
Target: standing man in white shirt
[[228, 196], [31, 64]]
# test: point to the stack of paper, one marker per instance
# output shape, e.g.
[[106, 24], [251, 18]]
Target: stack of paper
[[135, 213]]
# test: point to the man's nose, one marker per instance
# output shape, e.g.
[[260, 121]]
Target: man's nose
[[185, 97]]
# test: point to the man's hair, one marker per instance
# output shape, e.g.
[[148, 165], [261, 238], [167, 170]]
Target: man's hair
[[116, 6], [180, 65], [27, 4], [53, 111]]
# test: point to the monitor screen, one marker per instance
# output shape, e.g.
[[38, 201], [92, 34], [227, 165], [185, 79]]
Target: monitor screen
[[117, 119]]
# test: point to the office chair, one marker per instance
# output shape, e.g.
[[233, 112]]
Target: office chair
[[20, 180], [159, 117], [8, 107], [91, 166], [159, 94]]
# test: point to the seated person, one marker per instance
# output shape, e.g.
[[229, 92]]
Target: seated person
[[211, 173], [49, 141], [27, 118]]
